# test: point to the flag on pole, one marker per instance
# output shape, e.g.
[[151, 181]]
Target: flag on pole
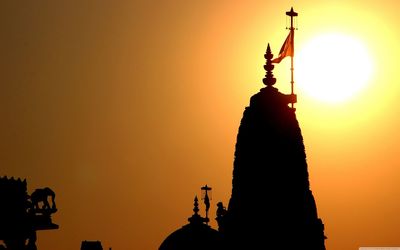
[[287, 48]]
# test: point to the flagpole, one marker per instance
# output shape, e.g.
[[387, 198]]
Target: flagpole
[[292, 14], [291, 81]]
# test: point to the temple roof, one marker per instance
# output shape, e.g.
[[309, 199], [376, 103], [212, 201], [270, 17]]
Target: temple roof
[[194, 236]]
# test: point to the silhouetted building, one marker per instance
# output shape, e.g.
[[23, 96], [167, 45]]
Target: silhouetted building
[[271, 206], [91, 245]]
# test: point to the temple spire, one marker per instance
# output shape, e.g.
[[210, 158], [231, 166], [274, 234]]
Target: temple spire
[[196, 205], [269, 79]]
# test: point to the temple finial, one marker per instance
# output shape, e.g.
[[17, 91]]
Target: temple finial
[[196, 205], [269, 79], [196, 218]]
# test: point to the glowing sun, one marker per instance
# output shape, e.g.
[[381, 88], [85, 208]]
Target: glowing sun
[[333, 67]]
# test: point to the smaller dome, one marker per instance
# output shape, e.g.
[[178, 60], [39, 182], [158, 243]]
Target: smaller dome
[[194, 236]]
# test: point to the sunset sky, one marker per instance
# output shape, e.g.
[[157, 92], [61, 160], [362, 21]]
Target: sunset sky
[[126, 108]]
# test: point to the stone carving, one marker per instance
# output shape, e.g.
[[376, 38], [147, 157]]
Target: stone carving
[[21, 215], [42, 195]]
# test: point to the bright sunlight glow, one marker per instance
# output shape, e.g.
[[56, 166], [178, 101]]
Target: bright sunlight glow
[[333, 68]]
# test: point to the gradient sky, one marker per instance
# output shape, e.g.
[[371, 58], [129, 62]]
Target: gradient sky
[[126, 108]]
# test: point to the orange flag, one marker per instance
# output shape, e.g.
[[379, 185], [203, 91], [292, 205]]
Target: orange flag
[[287, 48]]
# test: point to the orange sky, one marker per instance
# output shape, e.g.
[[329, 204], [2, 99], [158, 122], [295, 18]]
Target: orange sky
[[126, 108]]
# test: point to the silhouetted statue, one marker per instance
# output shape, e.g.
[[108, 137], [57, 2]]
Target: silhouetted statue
[[42, 195], [221, 212], [18, 219]]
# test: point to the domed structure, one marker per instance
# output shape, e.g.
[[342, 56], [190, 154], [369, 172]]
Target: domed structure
[[196, 235]]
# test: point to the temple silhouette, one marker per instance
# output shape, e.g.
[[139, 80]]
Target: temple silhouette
[[271, 205]]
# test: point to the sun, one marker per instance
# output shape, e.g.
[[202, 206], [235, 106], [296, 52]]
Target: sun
[[333, 67]]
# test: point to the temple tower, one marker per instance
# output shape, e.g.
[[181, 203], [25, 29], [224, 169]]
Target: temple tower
[[271, 206]]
